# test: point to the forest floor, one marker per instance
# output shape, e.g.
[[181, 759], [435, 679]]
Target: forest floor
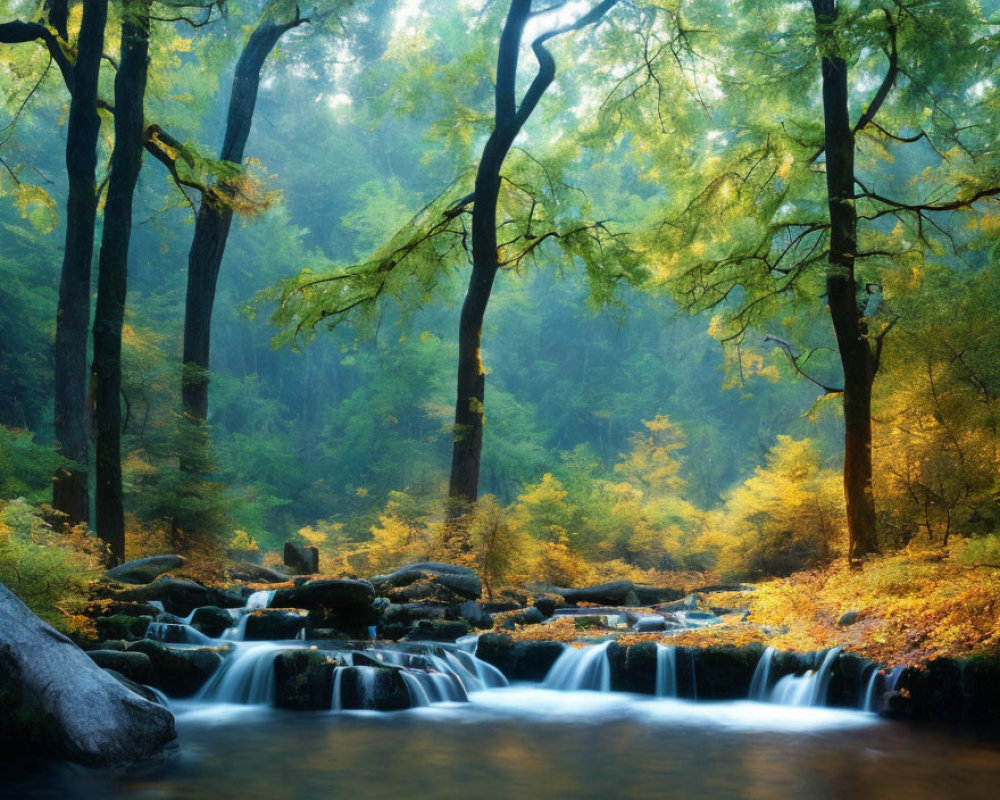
[[911, 607]]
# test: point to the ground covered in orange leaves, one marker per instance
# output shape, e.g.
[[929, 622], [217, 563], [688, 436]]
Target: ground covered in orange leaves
[[911, 607]]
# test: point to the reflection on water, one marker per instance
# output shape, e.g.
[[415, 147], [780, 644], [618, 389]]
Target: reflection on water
[[534, 743]]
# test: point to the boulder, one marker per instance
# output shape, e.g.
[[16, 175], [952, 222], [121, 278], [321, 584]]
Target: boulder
[[529, 616], [372, 688], [134, 666], [432, 580], [725, 672], [437, 630], [518, 661], [301, 560], [179, 673], [475, 615], [546, 604], [346, 605], [269, 624], [650, 623], [55, 700], [211, 621], [182, 597], [633, 668], [249, 572], [848, 618], [303, 680], [651, 595], [122, 626], [145, 570], [615, 593]]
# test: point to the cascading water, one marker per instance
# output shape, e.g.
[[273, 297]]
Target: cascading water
[[247, 676], [760, 683], [868, 701], [808, 689], [259, 600], [666, 671], [581, 668]]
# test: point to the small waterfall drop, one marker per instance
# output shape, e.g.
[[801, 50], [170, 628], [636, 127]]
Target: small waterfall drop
[[581, 668], [762, 676], [246, 677], [868, 701], [261, 599], [666, 671], [808, 689], [176, 633]]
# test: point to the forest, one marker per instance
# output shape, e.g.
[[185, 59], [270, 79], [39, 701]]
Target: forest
[[669, 324]]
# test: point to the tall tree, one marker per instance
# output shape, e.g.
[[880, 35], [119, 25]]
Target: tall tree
[[126, 161], [509, 118], [769, 222], [72, 379], [215, 213]]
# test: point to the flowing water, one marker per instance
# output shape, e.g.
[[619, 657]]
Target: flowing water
[[472, 737], [529, 742]]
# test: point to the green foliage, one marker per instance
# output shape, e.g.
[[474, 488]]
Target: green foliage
[[26, 468], [51, 572]]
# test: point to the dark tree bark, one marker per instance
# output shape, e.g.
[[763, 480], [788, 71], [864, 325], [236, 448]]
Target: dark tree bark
[[214, 219], [72, 379], [126, 161], [509, 120], [851, 329]]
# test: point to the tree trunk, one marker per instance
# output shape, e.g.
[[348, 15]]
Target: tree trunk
[[467, 443], [126, 160], [72, 407], [848, 323], [214, 219], [467, 446]]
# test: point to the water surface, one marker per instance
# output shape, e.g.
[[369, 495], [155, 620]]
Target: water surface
[[521, 743]]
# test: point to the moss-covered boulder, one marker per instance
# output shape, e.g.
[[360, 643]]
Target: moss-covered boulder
[[179, 673], [303, 680]]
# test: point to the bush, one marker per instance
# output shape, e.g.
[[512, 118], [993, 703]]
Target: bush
[[51, 572]]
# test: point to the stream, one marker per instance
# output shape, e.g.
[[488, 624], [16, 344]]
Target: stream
[[531, 742]]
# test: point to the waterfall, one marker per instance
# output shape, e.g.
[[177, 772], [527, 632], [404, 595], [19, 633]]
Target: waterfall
[[418, 697], [868, 701], [175, 633], [581, 668], [762, 676], [261, 599], [247, 676], [666, 671], [808, 689]]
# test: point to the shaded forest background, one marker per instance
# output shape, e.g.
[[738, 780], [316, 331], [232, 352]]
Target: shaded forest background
[[634, 426]]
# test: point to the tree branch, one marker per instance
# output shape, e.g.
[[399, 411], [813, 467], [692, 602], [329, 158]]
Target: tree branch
[[794, 359]]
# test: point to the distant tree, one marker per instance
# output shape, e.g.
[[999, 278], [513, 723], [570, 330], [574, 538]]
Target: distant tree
[[215, 213]]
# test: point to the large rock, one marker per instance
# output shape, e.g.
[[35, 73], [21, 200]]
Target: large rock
[[518, 661], [429, 580], [56, 700], [182, 597], [249, 572], [372, 688], [269, 624], [179, 673], [145, 570], [345, 605], [615, 593], [211, 621], [301, 560], [135, 666], [437, 630], [303, 680], [122, 626]]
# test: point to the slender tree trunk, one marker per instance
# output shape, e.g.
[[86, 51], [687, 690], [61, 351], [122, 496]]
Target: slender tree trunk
[[467, 445], [213, 222], [72, 379], [848, 322], [126, 161]]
